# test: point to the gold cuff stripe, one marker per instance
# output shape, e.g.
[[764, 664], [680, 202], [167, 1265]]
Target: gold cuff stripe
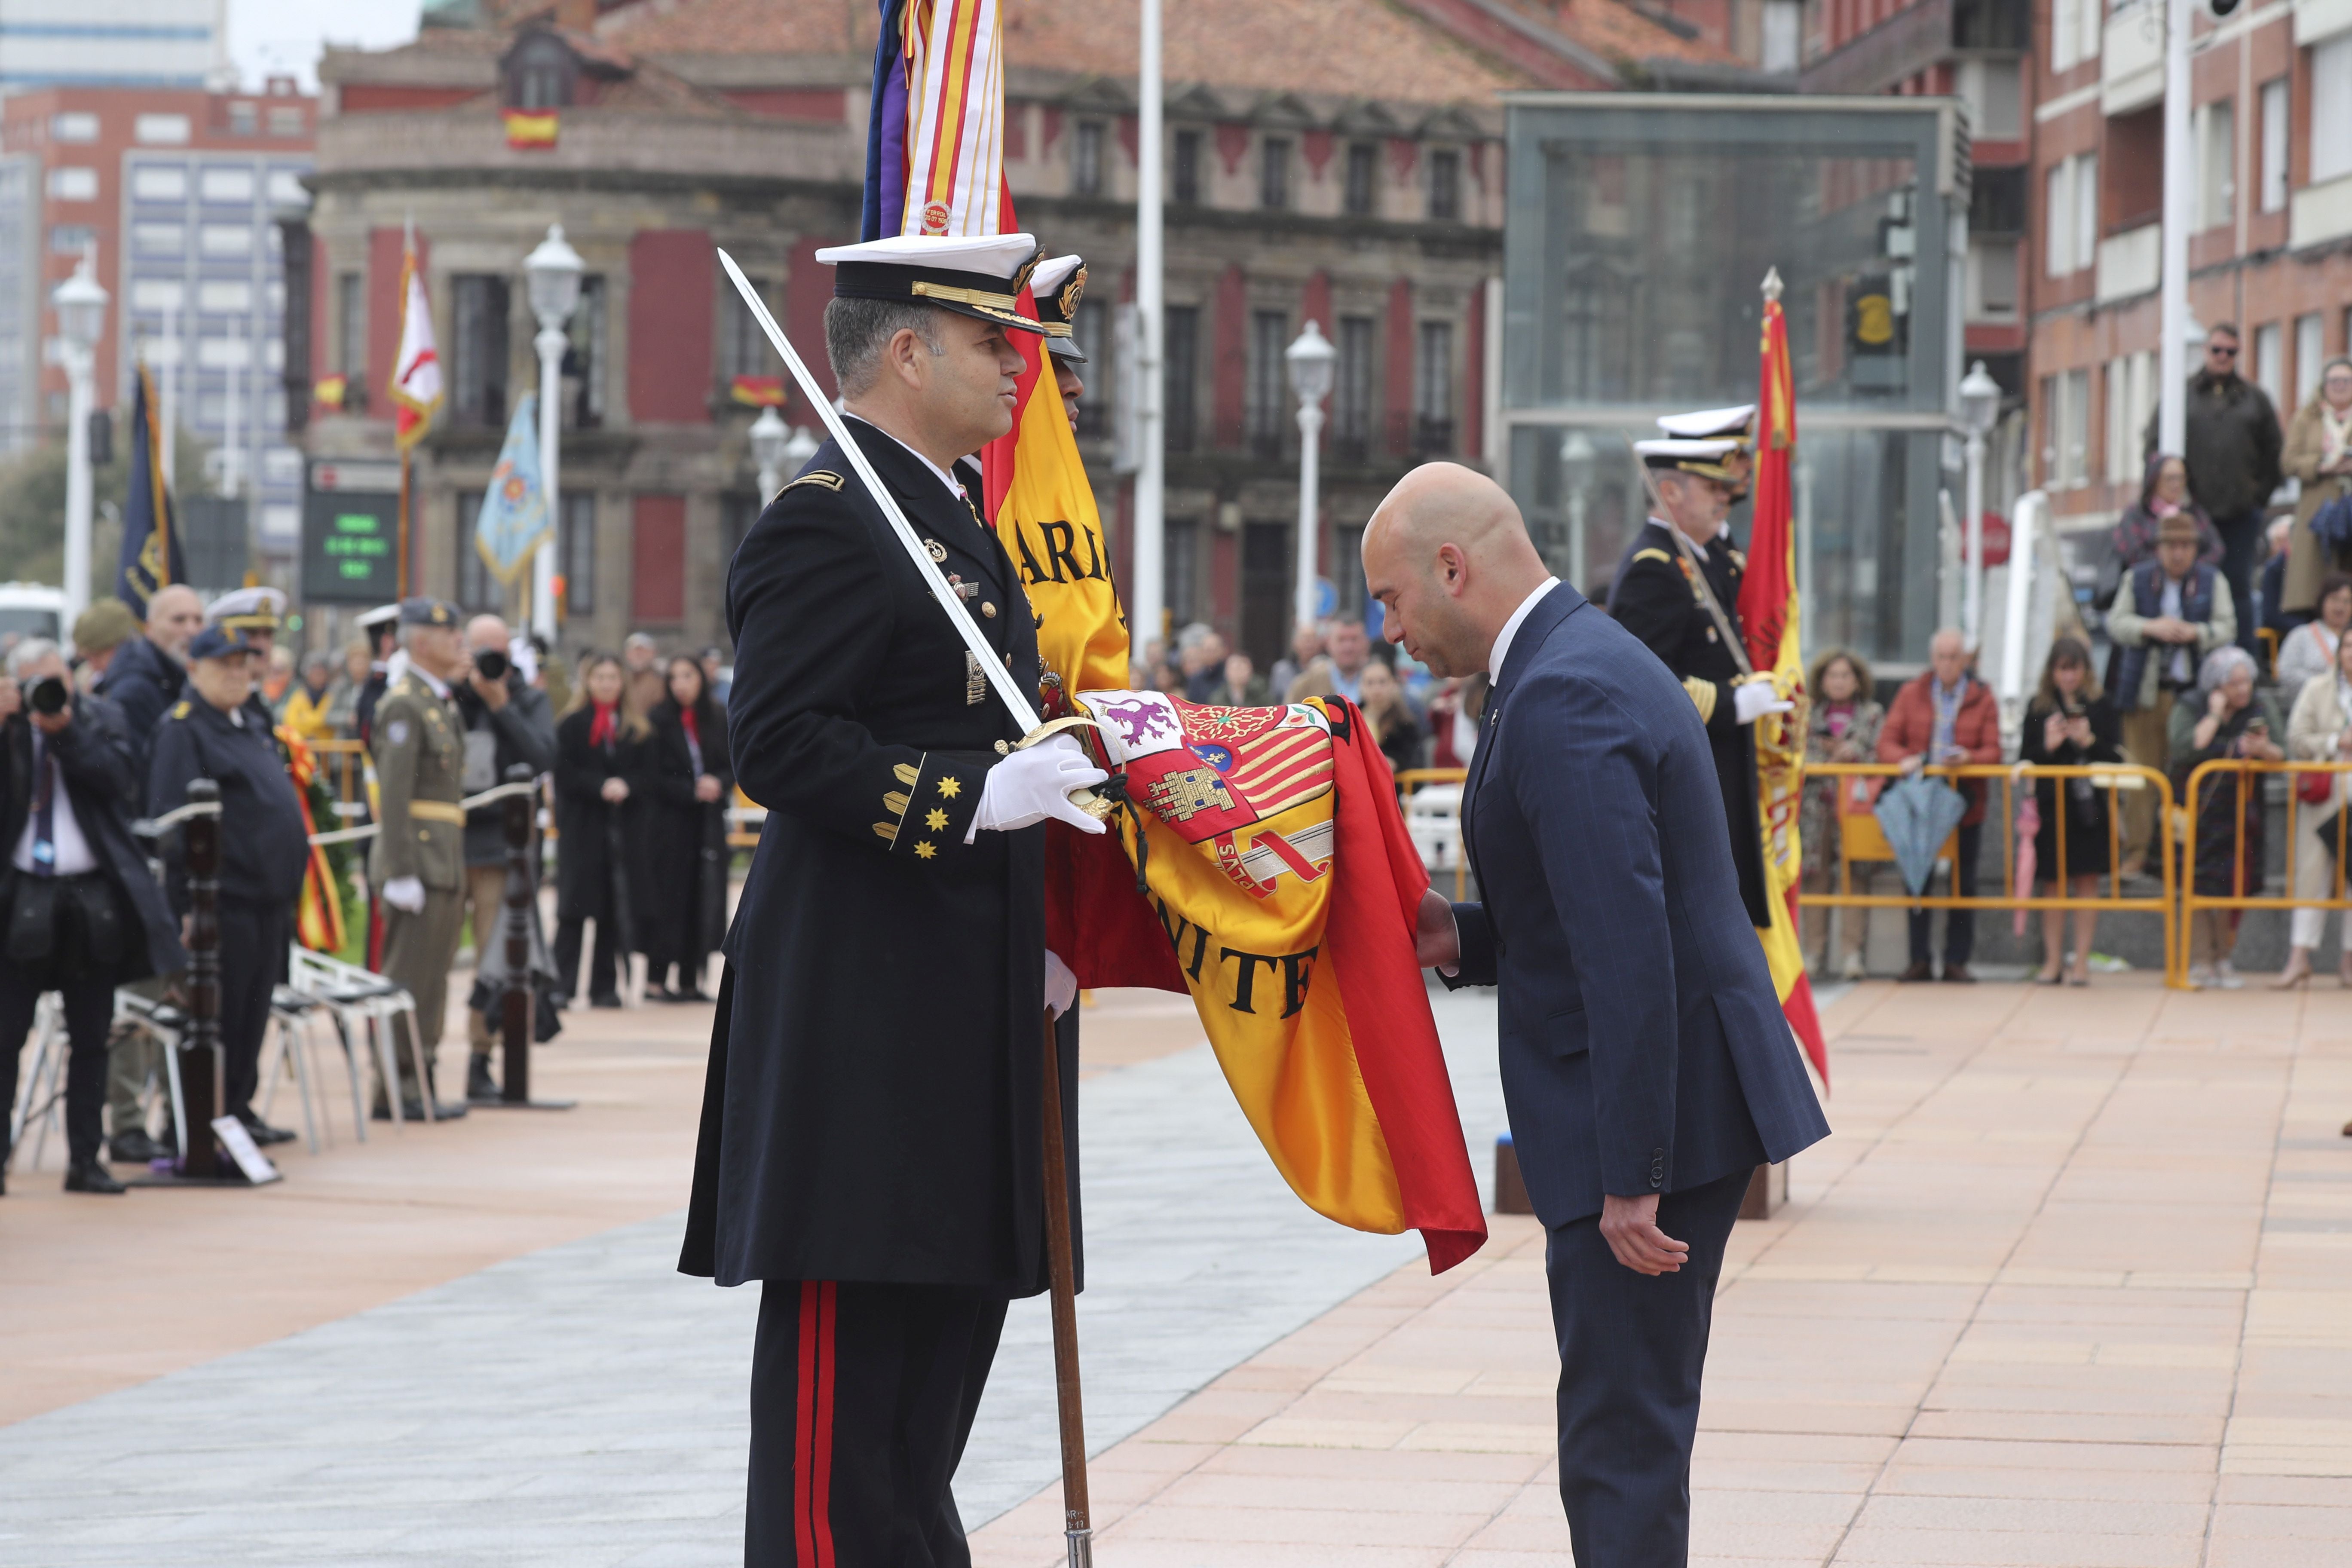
[[887, 831], [438, 811], [894, 801], [1702, 696], [961, 296]]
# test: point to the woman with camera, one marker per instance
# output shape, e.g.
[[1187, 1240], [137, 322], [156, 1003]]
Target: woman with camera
[[2071, 723], [82, 914]]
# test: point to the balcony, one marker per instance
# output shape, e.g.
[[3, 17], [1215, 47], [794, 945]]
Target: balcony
[[2131, 58], [2130, 263], [2319, 214]]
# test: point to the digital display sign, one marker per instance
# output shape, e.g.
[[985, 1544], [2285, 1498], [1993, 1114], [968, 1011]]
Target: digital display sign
[[349, 547]]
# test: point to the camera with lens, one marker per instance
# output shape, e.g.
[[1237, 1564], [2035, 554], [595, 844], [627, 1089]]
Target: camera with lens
[[48, 695], [491, 664]]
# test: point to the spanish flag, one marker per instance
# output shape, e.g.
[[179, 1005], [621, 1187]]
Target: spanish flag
[[415, 389], [1768, 612], [530, 130]]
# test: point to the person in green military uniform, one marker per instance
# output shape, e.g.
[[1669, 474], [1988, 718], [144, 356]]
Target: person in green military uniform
[[417, 865]]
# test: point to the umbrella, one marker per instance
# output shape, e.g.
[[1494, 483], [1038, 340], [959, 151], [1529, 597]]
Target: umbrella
[[2029, 828], [1917, 815]]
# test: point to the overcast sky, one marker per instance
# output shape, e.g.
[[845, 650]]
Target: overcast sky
[[275, 37]]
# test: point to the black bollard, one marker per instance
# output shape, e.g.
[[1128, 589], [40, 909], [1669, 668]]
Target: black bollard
[[517, 1002], [200, 1052]]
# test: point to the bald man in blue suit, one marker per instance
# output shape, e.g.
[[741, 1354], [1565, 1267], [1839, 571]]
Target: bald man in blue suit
[[1646, 1065]]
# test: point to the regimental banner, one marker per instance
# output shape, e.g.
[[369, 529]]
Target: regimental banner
[[1035, 489], [415, 388], [1771, 614], [1304, 979]]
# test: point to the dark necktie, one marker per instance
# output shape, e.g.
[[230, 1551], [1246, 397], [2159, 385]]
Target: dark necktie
[[45, 794]]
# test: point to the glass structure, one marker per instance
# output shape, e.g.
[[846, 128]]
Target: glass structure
[[1641, 227]]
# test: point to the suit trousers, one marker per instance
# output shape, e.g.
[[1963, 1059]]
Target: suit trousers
[[1959, 925], [89, 1009], [485, 903], [2242, 548], [1631, 1349], [417, 952], [253, 940], [862, 1397]]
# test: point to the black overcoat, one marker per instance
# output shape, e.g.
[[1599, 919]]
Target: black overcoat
[[585, 822], [2087, 827], [682, 886], [1653, 598], [872, 1110]]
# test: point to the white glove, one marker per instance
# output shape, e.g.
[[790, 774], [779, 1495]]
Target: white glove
[[1033, 784], [1061, 985], [404, 893], [1753, 700]]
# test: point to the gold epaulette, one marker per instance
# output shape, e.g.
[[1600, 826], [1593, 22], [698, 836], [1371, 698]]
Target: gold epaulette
[[1654, 553], [1702, 696], [180, 711], [819, 477]]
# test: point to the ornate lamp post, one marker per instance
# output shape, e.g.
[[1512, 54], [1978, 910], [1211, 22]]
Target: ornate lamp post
[[1980, 407], [1310, 356], [80, 303], [769, 439], [553, 273]]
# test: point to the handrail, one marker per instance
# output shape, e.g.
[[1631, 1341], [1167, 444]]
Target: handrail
[[2193, 900], [1411, 779]]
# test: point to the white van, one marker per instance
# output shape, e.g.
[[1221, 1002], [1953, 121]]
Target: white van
[[31, 610]]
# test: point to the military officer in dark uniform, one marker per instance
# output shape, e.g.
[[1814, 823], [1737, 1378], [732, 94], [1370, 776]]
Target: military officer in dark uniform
[[1662, 594], [252, 616], [872, 1140], [209, 733], [1056, 285]]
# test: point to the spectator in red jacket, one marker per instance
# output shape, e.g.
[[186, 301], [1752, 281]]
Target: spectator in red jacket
[[1946, 716]]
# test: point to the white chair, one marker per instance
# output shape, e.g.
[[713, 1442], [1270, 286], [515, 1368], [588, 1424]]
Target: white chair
[[167, 1023], [40, 1103], [291, 1015], [361, 997]]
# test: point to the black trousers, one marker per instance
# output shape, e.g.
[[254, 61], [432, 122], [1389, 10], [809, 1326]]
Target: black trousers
[[253, 940], [862, 1396], [1959, 925], [90, 1014], [2242, 548], [1631, 1349]]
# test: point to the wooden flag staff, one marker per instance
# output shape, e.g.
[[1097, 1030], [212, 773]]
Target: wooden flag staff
[[1062, 1277]]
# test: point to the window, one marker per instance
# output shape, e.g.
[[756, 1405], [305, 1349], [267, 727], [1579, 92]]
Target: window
[[477, 589], [2215, 139], [2066, 37], [2309, 356], [286, 189], [244, 119], [1180, 340], [161, 129], [227, 186], [1361, 196], [577, 551], [1445, 187], [73, 184], [1090, 329], [1269, 395], [1993, 268], [1351, 389], [150, 184], [2270, 362], [2086, 211], [72, 238], [158, 238], [2331, 108], [73, 127], [1180, 554], [477, 348], [1086, 159], [1784, 22], [1188, 167], [584, 357], [286, 122], [1433, 390], [350, 331], [2118, 391], [540, 72], [1274, 174], [226, 239], [219, 295], [1990, 90], [742, 347], [2058, 234], [2065, 426], [2274, 173], [157, 294]]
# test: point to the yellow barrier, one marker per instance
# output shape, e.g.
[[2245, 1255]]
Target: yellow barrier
[[2239, 876], [1411, 779], [1861, 838]]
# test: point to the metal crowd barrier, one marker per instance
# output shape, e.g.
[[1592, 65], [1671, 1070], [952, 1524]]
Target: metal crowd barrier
[[2241, 875], [1862, 840], [1443, 829]]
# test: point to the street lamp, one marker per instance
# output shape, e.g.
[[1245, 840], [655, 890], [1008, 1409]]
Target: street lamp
[[1310, 356], [553, 271], [1980, 407], [768, 439], [798, 450], [80, 303]]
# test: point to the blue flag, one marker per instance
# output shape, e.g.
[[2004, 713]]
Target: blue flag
[[152, 554], [886, 133], [513, 520]]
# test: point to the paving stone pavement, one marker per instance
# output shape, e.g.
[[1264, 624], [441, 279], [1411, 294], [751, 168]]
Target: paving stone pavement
[[583, 1405]]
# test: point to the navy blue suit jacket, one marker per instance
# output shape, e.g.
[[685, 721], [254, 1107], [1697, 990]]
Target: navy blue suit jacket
[[1643, 1049]]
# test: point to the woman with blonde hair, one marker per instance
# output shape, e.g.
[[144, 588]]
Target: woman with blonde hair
[[599, 763], [1843, 727], [2319, 730], [2318, 452]]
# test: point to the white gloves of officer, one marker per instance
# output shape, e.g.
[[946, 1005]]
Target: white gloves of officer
[[1753, 700], [1031, 785], [1061, 985], [404, 893]]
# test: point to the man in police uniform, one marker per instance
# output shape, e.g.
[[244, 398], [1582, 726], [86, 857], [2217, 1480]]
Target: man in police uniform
[[1056, 284], [872, 1138], [417, 863], [210, 734], [1661, 594]]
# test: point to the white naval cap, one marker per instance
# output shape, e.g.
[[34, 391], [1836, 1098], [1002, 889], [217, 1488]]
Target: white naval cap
[[1732, 422], [977, 275], [1703, 457], [1056, 283], [247, 609]]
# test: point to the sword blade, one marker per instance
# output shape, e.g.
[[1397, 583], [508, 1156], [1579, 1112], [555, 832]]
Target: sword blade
[[992, 664]]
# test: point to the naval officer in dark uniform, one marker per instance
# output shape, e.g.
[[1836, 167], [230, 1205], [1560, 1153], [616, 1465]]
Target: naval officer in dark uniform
[[210, 734], [872, 1141], [1657, 596]]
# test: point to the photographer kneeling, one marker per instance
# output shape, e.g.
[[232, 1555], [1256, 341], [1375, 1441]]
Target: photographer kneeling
[[83, 915]]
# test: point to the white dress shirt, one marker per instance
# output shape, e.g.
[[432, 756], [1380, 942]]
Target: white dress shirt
[[954, 485], [74, 857], [1511, 627]]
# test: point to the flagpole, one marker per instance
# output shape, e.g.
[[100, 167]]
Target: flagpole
[[401, 574], [1077, 1513], [1148, 621]]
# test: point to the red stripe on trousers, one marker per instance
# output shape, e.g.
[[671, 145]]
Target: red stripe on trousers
[[805, 1426], [821, 1484]]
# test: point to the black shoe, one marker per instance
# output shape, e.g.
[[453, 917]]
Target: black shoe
[[91, 1175], [480, 1084], [411, 1109], [561, 1001], [695, 993], [1916, 972], [1957, 975], [135, 1147], [260, 1132], [605, 999], [449, 1109]]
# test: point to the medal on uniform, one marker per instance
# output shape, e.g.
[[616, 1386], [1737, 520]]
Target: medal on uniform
[[975, 680]]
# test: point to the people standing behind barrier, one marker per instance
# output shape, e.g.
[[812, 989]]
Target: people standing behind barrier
[[1389, 716], [1946, 716], [2171, 612], [1339, 672], [2231, 447], [147, 673], [2163, 492], [688, 778], [79, 913], [599, 770], [506, 724], [211, 733], [1844, 727], [341, 712], [2227, 717], [1242, 685], [2308, 649], [2319, 730], [98, 632], [1306, 647], [306, 706], [418, 861], [2318, 455], [2071, 723]]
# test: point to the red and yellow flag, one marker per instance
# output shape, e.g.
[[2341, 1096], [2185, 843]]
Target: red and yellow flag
[[319, 912], [1768, 612], [415, 389]]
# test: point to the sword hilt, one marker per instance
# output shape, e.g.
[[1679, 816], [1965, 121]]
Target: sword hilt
[[1096, 805]]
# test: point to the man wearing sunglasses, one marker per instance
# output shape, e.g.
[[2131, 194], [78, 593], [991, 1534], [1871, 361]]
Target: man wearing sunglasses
[[2231, 447]]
